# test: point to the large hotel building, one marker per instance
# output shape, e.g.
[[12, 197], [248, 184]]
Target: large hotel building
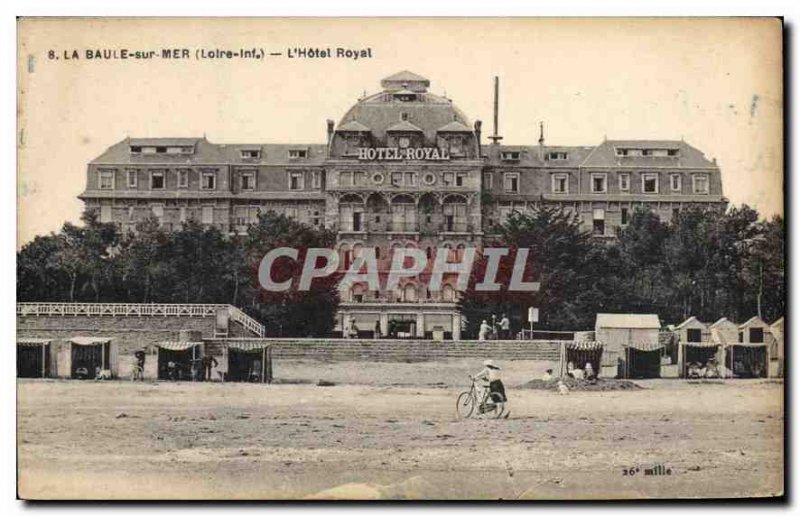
[[403, 167]]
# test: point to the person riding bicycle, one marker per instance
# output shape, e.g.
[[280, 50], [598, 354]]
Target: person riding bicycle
[[491, 373]]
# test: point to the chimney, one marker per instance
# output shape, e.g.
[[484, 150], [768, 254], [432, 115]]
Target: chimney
[[541, 141], [478, 124], [496, 137], [330, 136]]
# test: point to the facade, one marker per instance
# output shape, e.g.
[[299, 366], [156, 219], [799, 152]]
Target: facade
[[403, 167]]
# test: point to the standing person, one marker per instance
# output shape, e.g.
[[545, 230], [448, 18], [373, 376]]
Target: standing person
[[505, 328], [352, 332], [139, 358], [484, 331], [377, 329], [208, 362]]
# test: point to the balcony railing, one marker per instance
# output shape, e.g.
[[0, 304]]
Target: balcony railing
[[139, 310]]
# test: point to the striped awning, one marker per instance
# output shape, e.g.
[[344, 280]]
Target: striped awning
[[248, 345], [704, 344], [32, 342], [585, 345], [644, 346], [177, 345], [89, 341]]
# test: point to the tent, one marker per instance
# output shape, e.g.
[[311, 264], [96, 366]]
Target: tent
[[642, 359], [579, 354], [249, 361], [33, 358], [185, 356], [632, 347], [85, 355]]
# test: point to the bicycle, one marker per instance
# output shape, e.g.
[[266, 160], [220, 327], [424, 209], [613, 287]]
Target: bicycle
[[491, 403]]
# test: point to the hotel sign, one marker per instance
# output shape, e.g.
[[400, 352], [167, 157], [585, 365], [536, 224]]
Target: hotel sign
[[397, 154]]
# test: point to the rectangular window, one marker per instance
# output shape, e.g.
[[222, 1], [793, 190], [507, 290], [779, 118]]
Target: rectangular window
[[555, 156], [131, 213], [345, 179], [105, 213], [251, 154], [624, 221], [105, 180], [298, 153], [560, 183], [624, 182], [650, 183], [397, 178], [756, 335], [208, 215], [511, 182], [675, 182], [461, 179], [295, 180], [509, 156], [133, 178], [316, 179], [700, 184], [488, 180], [248, 181], [448, 178], [622, 152], [598, 183], [136, 149], [157, 180], [182, 215], [599, 222], [411, 178], [694, 335], [183, 177], [209, 181]]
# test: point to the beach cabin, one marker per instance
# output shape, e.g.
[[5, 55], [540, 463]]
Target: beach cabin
[[698, 354], [631, 345], [776, 351], [33, 358], [81, 357], [748, 356]]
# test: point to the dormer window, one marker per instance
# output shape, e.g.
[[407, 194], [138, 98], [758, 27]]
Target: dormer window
[[555, 156], [136, 149], [161, 150], [251, 154], [404, 116], [509, 156], [298, 153]]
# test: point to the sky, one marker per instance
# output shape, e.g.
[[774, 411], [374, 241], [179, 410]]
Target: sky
[[716, 83]]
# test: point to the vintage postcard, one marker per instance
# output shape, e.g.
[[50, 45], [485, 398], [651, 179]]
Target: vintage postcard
[[400, 259]]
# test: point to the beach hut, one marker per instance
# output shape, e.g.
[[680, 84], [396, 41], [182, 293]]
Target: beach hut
[[776, 351], [83, 356], [631, 345], [177, 359], [33, 358], [248, 361], [580, 353], [696, 347], [748, 355]]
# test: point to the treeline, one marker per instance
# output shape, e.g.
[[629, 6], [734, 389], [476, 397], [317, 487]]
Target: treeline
[[95, 262], [704, 263]]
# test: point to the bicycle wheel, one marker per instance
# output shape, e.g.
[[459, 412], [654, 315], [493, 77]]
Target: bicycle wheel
[[465, 405], [493, 405]]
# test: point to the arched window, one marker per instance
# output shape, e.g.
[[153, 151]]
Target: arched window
[[448, 294], [410, 293], [345, 256], [357, 294]]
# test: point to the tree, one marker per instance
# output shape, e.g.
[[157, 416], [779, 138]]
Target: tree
[[292, 313]]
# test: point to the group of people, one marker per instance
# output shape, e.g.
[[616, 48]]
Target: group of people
[[497, 330], [710, 369], [587, 373]]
